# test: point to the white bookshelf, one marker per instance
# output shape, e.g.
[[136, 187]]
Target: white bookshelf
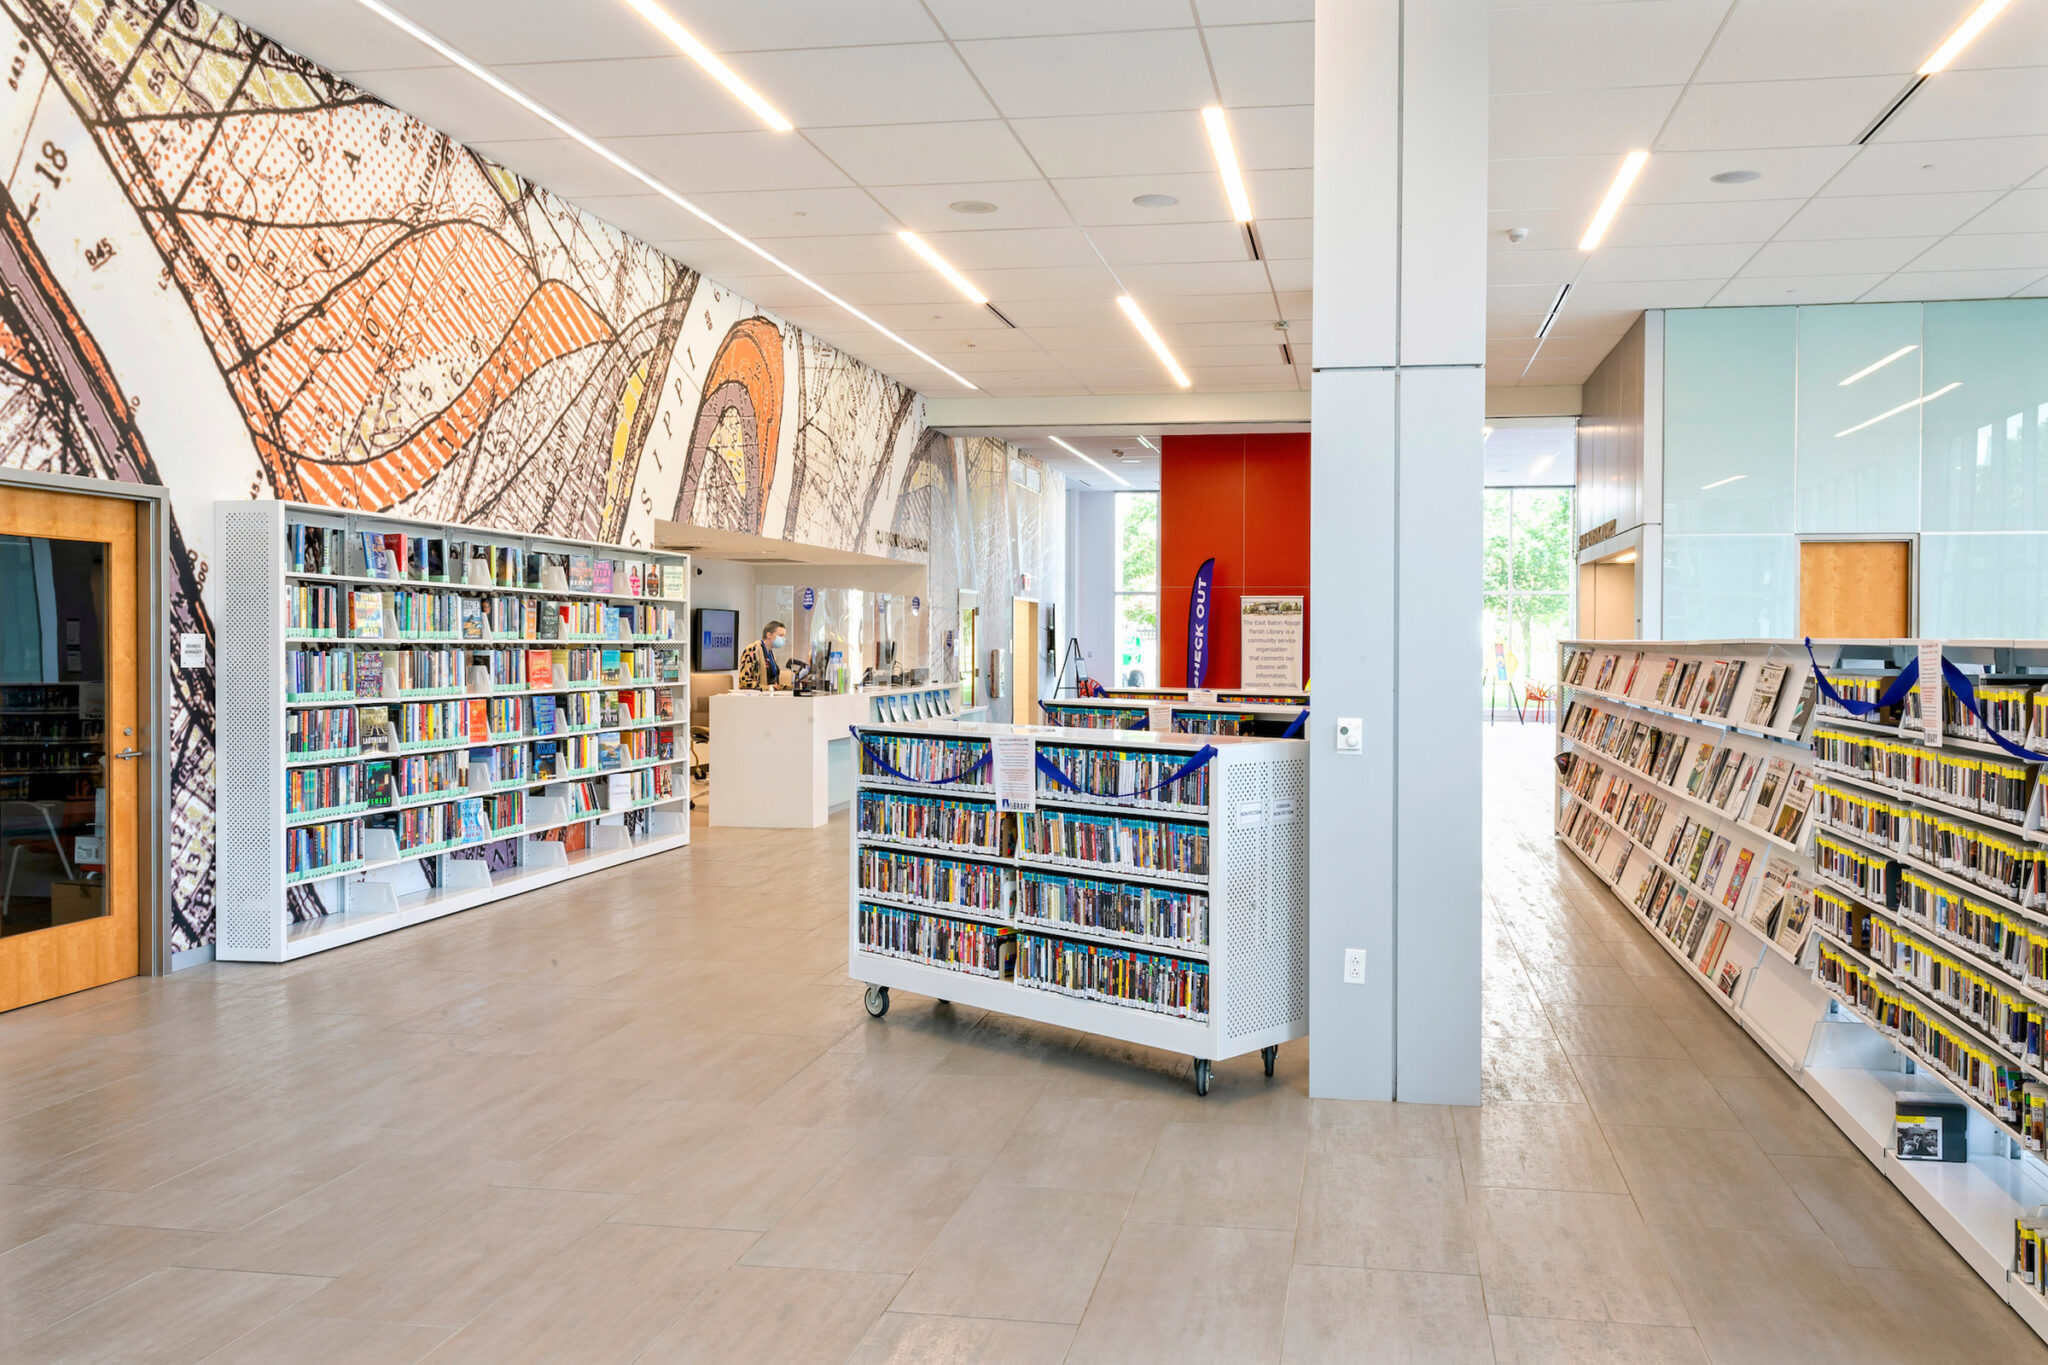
[[1255, 949], [268, 913], [1264, 718], [1823, 1024]]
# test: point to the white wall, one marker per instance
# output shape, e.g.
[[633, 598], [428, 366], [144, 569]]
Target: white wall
[[723, 584], [1091, 528]]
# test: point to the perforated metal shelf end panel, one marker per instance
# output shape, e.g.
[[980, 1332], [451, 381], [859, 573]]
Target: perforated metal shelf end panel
[[1265, 899], [249, 685]]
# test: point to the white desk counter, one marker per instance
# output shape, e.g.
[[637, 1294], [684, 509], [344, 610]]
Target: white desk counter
[[785, 762]]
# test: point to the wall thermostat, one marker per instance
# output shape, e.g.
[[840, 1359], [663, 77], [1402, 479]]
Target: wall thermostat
[[1350, 734]]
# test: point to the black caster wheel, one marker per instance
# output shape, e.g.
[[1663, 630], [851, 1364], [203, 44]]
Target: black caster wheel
[[1267, 1055], [1201, 1076], [878, 1001]]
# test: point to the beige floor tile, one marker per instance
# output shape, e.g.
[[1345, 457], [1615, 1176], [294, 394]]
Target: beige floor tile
[[29, 1211], [1869, 1223], [169, 1317], [1652, 1092], [1223, 1174], [456, 1266], [744, 1178], [877, 1210], [1568, 1341], [1706, 1179], [1188, 1296], [1756, 1296], [956, 1116], [604, 1297], [47, 1280], [843, 1090], [1720, 1048], [1963, 1315], [909, 1339], [1537, 1146], [329, 1341], [1342, 1316], [1077, 1143], [1513, 1012], [631, 1148], [766, 1315], [743, 1067], [234, 1190], [1782, 1118], [1612, 1031], [1017, 1252], [1558, 1254], [1385, 1213], [1569, 983], [1527, 1071], [1371, 1128]]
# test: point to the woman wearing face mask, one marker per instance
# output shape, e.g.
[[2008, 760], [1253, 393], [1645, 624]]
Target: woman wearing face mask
[[758, 670]]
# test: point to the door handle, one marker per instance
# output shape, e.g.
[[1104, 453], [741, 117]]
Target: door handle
[[133, 753]]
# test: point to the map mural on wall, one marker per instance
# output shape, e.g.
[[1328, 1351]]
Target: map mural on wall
[[226, 271]]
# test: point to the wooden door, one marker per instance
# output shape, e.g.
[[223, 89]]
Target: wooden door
[[1855, 589], [70, 806], [1024, 656]]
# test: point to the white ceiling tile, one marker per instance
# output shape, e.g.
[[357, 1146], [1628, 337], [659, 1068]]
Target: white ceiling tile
[[1106, 199], [1543, 371], [631, 96], [2038, 289], [1578, 122], [898, 83], [1701, 262], [1783, 173], [1549, 229], [1952, 284], [338, 34], [1253, 11], [1282, 194], [1286, 239], [2020, 211], [568, 168], [1253, 333], [1510, 354], [1571, 185], [1045, 282], [964, 19], [1636, 295], [1271, 139], [1585, 46], [1885, 215], [888, 286], [1090, 313], [1989, 251], [1740, 220], [534, 30], [1013, 248], [1996, 163], [873, 253], [1749, 293], [1575, 321], [1511, 265], [764, 24], [1209, 277], [1118, 144], [1520, 300], [1264, 64], [1294, 303], [1973, 104], [1164, 242], [1284, 275], [650, 217], [822, 212], [709, 162], [1780, 40], [1854, 255], [1019, 204], [1102, 337], [1107, 73], [1224, 308], [1776, 113], [739, 272], [926, 153], [450, 100]]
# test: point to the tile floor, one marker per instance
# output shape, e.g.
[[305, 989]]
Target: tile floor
[[646, 1120]]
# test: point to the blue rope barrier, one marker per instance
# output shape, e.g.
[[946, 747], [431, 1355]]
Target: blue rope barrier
[[1194, 764], [1294, 731], [1959, 683], [884, 764], [1909, 676]]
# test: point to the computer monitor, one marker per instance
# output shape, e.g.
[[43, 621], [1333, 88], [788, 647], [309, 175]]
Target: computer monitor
[[717, 635]]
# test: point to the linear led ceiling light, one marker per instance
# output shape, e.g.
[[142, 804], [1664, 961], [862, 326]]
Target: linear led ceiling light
[[1089, 458], [1138, 320], [1719, 482], [1894, 412], [1631, 167], [610, 157], [1877, 365], [1226, 164], [1146, 442], [706, 58], [1960, 39], [944, 267]]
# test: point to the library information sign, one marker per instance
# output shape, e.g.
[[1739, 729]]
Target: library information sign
[[1270, 641]]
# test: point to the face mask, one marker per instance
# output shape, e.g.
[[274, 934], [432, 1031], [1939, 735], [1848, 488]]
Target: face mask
[[778, 642]]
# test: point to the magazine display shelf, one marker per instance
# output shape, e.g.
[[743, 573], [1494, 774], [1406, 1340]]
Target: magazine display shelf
[[266, 915], [1256, 881], [1853, 1068]]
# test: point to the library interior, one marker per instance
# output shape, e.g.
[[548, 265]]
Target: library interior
[[657, 700]]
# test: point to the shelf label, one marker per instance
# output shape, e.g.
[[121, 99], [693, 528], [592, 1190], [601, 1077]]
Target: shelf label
[[1015, 761], [1281, 812], [191, 649], [1159, 719], [1201, 696], [1251, 814], [1931, 688]]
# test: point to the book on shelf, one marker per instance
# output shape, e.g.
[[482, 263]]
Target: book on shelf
[[369, 673], [1791, 817], [366, 614], [580, 573], [375, 725], [1802, 709], [1635, 666], [674, 582], [546, 761], [1711, 688], [601, 576]]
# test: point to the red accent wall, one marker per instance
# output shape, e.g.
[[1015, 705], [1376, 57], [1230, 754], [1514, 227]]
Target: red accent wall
[[1243, 499]]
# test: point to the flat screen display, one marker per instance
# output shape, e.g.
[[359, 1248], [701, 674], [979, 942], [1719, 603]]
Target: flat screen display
[[717, 633]]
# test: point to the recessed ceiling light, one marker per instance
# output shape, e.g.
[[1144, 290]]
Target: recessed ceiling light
[[1960, 39], [1631, 167], [971, 206], [1736, 177], [1147, 443], [1152, 339], [1154, 201], [706, 58], [1090, 459]]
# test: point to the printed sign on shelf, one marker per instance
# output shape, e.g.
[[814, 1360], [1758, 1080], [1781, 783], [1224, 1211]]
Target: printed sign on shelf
[[1159, 719], [1270, 641], [1014, 759], [1932, 686]]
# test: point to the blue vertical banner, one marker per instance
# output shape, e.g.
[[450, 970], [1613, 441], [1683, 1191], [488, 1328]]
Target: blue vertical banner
[[1198, 623]]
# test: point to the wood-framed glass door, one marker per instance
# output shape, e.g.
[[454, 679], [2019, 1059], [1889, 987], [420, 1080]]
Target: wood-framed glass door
[[71, 799]]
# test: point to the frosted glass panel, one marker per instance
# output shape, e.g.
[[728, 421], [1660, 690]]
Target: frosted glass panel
[[1984, 587], [1985, 464], [1729, 394], [1859, 469], [1740, 587]]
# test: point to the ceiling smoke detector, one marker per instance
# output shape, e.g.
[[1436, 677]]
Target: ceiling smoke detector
[[971, 206], [1154, 201], [1518, 235]]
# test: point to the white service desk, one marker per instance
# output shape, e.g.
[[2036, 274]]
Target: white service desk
[[785, 762]]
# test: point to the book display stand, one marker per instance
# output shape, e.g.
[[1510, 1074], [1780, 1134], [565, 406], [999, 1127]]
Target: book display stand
[[1148, 888], [1894, 957], [416, 718]]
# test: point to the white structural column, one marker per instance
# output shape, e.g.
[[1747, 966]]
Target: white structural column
[[1399, 398]]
